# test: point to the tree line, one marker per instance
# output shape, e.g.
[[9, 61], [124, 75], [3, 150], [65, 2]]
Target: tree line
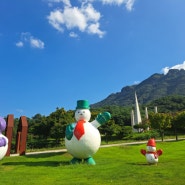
[[49, 131]]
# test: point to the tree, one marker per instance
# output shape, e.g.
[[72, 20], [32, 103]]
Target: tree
[[160, 122], [178, 122], [57, 132], [41, 128], [127, 131], [110, 129]]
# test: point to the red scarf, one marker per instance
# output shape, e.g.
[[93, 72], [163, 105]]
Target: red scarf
[[79, 129]]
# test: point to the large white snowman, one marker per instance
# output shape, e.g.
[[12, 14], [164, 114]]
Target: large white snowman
[[83, 138], [3, 139], [151, 153]]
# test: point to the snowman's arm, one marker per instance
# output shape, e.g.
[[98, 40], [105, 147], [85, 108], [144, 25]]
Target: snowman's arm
[[159, 152], [69, 130], [2, 141], [95, 123], [101, 119], [143, 152]]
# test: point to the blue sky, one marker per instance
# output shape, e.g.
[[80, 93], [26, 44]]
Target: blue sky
[[55, 52]]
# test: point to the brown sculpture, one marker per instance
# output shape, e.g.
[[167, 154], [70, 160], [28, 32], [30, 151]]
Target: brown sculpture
[[21, 136], [9, 132]]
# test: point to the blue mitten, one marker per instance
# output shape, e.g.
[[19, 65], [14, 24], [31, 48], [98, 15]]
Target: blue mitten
[[103, 117], [69, 131]]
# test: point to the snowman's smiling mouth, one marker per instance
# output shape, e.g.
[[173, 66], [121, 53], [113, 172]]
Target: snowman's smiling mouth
[[81, 117]]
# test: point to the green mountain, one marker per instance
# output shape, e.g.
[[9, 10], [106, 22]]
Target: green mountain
[[153, 88]]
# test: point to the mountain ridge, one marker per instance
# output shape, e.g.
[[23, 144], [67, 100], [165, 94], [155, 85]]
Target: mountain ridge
[[152, 88]]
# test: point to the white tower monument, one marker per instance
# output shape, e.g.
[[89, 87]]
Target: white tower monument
[[137, 112], [135, 115]]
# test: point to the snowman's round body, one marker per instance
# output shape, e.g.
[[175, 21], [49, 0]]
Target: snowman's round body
[[151, 155], [82, 139], [3, 149], [87, 145], [151, 158]]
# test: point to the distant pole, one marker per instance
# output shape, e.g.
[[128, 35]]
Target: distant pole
[[146, 112], [155, 109]]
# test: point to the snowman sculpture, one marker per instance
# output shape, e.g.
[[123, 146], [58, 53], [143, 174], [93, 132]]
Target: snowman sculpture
[[3, 139], [83, 138], [151, 153]]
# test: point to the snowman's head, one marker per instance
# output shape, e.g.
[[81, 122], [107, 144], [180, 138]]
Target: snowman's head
[[82, 114], [151, 148], [151, 145]]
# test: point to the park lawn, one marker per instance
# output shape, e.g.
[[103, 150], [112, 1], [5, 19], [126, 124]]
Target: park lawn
[[116, 165]]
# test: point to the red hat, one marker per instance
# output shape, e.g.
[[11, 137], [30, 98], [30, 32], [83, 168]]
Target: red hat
[[151, 142]]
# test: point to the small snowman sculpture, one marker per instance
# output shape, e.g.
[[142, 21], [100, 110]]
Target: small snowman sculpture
[[151, 153], [3, 139], [83, 138]]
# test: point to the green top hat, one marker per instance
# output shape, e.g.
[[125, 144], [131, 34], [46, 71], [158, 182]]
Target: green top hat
[[82, 104]]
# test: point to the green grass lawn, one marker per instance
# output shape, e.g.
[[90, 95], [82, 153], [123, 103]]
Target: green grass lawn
[[115, 165]]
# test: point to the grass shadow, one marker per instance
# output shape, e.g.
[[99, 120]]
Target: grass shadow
[[40, 159], [45, 155], [38, 163], [141, 164]]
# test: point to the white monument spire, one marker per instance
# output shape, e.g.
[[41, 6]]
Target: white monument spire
[[137, 112]]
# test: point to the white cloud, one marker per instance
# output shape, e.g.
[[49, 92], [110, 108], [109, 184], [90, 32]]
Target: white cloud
[[56, 20], [27, 38], [128, 3], [74, 18], [85, 18], [178, 66], [36, 43], [116, 2], [73, 34], [94, 29], [136, 82], [90, 13], [19, 44]]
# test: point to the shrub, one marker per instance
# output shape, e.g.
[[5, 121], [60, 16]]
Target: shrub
[[145, 135]]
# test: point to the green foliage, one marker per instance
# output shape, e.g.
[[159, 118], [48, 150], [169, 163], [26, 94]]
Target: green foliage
[[57, 132], [173, 103], [160, 122], [42, 144], [145, 135], [179, 120]]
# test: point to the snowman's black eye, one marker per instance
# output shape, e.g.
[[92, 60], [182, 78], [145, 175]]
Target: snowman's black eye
[[83, 111]]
